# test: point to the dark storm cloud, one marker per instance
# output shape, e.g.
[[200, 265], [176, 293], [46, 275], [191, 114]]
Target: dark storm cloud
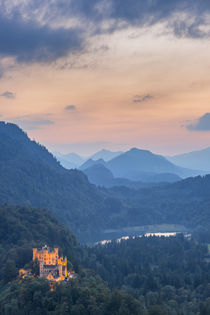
[[7, 94], [142, 98], [28, 31], [70, 107], [201, 124], [28, 41]]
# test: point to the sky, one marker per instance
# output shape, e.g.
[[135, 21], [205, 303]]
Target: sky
[[82, 75]]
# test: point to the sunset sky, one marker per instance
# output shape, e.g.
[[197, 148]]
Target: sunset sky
[[82, 75]]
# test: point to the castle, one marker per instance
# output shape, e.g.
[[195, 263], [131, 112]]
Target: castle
[[51, 266]]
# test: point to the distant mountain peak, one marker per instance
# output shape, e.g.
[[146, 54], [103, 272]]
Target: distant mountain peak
[[105, 154], [135, 163], [137, 150]]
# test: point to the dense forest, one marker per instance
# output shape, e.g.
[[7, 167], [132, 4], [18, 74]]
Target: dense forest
[[141, 275], [21, 229], [186, 202], [168, 275], [86, 295]]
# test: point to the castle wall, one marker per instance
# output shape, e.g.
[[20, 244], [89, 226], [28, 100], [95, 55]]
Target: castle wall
[[46, 256]]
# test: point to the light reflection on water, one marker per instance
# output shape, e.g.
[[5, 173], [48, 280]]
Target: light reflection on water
[[161, 234], [158, 234]]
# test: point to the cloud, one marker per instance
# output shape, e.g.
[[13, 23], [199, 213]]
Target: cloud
[[191, 28], [201, 124], [29, 41], [8, 94], [142, 98], [183, 17], [70, 107], [43, 31], [32, 122]]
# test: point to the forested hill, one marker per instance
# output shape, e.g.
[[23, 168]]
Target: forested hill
[[30, 175], [186, 202], [15, 145], [195, 188], [21, 229]]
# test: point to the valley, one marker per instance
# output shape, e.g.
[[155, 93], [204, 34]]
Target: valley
[[30, 175], [44, 203]]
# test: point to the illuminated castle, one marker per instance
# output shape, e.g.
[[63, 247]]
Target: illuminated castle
[[51, 266]]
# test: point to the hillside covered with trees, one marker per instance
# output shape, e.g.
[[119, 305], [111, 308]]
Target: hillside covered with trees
[[30, 175], [142, 276], [21, 229]]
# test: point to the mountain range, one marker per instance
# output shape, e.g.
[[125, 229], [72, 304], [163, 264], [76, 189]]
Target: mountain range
[[132, 167], [31, 176], [99, 175], [74, 160], [195, 160]]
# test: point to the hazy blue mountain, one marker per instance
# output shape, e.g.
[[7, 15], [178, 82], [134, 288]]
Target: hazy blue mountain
[[70, 160], [135, 164], [161, 178], [65, 163], [99, 175], [106, 155], [75, 158], [199, 160], [90, 163]]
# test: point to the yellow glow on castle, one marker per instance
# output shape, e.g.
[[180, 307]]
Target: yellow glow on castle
[[51, 266]]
